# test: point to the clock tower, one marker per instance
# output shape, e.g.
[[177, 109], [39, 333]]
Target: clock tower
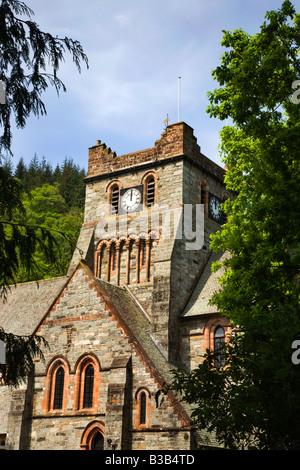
[[148, 220], [131, 199], [214, 208]]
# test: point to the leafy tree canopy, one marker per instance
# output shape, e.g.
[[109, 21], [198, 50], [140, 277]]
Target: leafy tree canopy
[[253, 401], [46, 207]]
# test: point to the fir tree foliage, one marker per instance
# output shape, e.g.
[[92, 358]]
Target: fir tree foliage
[[29, 64], [31, 243], [20, 352]]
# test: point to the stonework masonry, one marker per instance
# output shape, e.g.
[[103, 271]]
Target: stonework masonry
[[180, 168], [132, 306]]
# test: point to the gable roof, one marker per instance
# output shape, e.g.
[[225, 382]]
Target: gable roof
[[137, 328], [207, 285], [27, 303]]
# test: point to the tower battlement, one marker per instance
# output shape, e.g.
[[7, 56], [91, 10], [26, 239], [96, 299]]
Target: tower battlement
[[178, 140]]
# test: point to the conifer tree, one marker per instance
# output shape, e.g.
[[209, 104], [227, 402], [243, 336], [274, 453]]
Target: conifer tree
[[29, 63], [21, 170]]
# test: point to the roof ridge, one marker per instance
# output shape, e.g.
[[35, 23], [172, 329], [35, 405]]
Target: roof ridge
[[37, 281], [155, 361]]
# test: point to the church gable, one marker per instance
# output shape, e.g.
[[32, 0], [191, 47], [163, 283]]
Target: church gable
[[77, 301], [95, 328]]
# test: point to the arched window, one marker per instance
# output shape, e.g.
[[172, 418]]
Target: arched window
[[103, 258], [88, 387], [59, 389], [219, 340], [115, 192], [150, 182], [93, 436], [56, 385], [143, 408], [150, 191], [113, 258], [87, 383], [143, 253]]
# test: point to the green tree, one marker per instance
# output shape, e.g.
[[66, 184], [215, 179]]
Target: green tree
[[34, 174], [71, 185], [46, 207], [21, 171], [254, 400], [29, 63]]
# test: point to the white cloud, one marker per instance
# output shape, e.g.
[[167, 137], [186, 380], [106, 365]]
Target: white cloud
[[123, 19], [136, 49]]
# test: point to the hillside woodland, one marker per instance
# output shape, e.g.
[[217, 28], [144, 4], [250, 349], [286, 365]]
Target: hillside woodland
[[54, 199]]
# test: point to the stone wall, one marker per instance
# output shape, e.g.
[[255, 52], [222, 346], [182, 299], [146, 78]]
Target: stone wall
[[180, 168], [80, 325]]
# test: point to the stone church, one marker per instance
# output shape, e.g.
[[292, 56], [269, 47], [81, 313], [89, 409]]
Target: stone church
[[133, 305]]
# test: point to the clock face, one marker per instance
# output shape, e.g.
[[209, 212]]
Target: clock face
[[215, 208], [131, 199]]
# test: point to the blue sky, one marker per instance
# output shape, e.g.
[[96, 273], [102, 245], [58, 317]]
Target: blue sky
[[136, 50]]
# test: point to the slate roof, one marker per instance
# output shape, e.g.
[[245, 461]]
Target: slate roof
[[139, 327], [137, 323], [27, 303], [208, 283]]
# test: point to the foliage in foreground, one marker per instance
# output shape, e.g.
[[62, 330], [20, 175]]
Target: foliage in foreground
[[254, 400], [29, 63]]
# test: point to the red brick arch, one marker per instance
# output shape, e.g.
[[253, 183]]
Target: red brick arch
[[109, 190], [145, 179], [80, 368], [138, 242], [52, 368], [209, 330], [89, 434]]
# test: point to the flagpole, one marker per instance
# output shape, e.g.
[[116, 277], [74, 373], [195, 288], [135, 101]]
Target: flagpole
[[179, 79]]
